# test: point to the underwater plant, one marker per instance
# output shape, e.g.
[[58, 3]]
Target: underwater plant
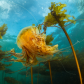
[[11, 80], [3, 30], [3, 66], [7, 70], [57, 16], [35, 45], [2, 54], [49, 39]]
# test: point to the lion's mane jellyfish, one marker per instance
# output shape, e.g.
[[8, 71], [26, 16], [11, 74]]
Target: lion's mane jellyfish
[[33, 45]]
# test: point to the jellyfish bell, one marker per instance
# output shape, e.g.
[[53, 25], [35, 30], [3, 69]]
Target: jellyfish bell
[[26, 33]]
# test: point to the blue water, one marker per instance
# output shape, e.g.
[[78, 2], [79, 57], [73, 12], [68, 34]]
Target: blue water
[[18, 14]]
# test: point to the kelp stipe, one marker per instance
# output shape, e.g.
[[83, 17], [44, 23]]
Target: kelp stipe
[[31, 75], [56, 16], [50, 72]]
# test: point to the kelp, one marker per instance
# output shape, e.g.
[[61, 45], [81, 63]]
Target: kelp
[[39, 27], [37, 69], [3, 66], [33, 44], [57, 14], [0, 47], [3, 30], [82, 71], [2, 54], [49, 39], [59, 63], [11, 80], [7, 70]]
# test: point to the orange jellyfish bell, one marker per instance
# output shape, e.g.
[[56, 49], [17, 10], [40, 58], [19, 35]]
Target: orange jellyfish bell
[[33, 44]]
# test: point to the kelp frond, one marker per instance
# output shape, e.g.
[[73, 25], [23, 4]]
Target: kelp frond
[[3, 30], [49, 38], [57, 14]]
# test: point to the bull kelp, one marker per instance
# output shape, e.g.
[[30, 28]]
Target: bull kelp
[[11, 80], [35, 44], [3, 30], [57, 16]]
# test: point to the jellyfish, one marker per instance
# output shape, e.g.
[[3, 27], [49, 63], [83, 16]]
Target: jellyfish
[[34, 47]]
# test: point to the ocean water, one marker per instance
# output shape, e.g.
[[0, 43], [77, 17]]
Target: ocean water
[[18, 14]]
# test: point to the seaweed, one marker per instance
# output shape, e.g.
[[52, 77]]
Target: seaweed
[[32, 43], [39, 27], [49, 39], [33, 24], [2, 54], [11, 80], [57, 14], [7, 70], [59, 63], [3, 66], [3, 30]]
